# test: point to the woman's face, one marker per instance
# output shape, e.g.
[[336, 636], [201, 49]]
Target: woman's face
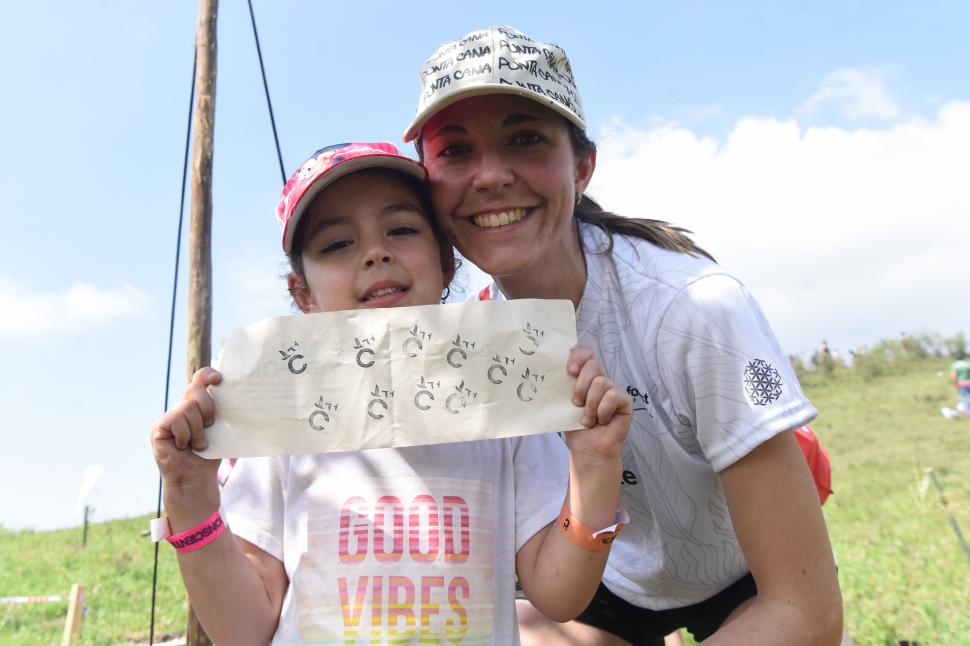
[[504, 180]]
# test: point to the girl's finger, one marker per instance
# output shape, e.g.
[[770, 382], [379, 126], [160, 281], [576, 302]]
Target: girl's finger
[[599, 385], [200, 397], [589, 371], [194, 416], [181, 432], [577, 357], [613, 402]]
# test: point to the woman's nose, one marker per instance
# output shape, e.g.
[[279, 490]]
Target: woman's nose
[[492, 172]]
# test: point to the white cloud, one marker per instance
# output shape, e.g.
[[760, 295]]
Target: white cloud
[[858, 94], [79, 308], [846, 234]]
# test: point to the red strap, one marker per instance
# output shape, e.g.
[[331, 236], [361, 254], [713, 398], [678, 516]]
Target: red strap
[[486, 293], [818, 461]]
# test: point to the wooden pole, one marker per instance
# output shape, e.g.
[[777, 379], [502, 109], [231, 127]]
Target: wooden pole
[[200, 227], [75, 612], [84, 536]]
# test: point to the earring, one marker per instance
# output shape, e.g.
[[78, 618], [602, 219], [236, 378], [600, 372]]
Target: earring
[[579, 198]]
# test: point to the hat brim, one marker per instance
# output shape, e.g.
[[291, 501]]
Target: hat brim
[[490, 88], [397, 163]]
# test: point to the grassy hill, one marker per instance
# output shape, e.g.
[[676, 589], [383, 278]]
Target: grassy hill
[[903, 572]]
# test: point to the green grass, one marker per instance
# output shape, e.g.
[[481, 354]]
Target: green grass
[[902, 570], [115, 567], [903, 573]]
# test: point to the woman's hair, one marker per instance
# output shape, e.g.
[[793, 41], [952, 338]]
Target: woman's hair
[[448, 259], [660, 233]]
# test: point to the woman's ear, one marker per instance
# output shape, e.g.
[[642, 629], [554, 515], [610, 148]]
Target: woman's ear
[[585, 165], [300, 293]]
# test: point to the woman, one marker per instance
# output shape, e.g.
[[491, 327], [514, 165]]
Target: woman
[[727, 537]]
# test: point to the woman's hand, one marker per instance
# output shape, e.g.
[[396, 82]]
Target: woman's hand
[[607, 409], [180, 430]]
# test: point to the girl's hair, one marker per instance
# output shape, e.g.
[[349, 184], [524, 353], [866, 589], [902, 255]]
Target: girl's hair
[[660, 233], [449, 262]]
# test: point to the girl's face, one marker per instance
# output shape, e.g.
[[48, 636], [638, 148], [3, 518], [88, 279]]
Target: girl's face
[[504, 180], [368, 243]]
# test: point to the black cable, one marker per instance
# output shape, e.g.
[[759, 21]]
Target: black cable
[[171, 326], [269, 103]]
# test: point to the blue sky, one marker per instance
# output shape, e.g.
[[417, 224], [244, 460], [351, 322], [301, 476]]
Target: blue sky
[[821, 150]]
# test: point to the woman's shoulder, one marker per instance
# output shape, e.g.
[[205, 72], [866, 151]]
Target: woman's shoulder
[[637, 261]]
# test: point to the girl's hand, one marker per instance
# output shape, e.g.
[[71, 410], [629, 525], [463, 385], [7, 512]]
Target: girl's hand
[[180, 430], [607, 409]]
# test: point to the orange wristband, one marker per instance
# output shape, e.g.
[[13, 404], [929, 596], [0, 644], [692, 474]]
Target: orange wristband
[[587, 538]]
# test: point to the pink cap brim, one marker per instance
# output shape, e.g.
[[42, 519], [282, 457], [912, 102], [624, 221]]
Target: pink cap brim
[[392, 162]]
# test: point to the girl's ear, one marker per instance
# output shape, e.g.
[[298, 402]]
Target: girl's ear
[[300, 293]]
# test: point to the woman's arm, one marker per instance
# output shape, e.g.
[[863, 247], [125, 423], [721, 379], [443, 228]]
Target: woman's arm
[[558, 576], [779, 525]]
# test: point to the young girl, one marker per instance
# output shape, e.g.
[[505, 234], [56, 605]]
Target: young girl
[[420, 544]]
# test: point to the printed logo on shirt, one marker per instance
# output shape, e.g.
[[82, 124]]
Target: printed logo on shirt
[[640, 399], [762, 383], [403, 560]]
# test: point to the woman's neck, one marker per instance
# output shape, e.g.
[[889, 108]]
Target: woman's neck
[[560, 276]]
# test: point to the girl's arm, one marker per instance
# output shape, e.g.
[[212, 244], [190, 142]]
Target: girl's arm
[[235, 588], [558, 576], [778, 521]]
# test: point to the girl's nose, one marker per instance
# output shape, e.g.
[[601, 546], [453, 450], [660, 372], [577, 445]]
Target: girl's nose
[[376, 253], [376, 259]]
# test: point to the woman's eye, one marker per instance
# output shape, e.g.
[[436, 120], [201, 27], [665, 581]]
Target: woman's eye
[[527, 138], [453, 150]]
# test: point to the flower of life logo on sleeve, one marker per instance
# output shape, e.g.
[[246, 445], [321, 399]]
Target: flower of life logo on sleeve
[[762, 383], [405, 560]]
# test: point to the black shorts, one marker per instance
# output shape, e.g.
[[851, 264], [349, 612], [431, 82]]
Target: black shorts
[[643, 627]]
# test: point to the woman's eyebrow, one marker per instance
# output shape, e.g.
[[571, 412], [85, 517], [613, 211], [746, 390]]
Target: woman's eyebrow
[[518, 118], [450, 129]]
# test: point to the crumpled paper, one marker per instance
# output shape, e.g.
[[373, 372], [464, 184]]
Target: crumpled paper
[[361, 379]]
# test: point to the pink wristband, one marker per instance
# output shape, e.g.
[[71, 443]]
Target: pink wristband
[[198, 536]]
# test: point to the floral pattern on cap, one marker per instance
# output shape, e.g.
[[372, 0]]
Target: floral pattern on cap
[[307, 181]]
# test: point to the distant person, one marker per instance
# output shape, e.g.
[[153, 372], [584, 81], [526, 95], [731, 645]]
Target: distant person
[[393, 546], [960, 374]]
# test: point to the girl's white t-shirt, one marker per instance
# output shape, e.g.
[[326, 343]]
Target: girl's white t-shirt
[[412, 545]]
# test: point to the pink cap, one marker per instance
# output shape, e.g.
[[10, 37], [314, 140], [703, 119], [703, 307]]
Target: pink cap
[[330, 164]]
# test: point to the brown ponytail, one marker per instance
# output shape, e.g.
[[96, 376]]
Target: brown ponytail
[[657, 232]]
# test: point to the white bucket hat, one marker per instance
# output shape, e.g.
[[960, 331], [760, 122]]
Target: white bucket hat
[[497, 60]]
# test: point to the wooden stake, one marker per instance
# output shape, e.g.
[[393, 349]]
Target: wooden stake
[[200, 228], [75, 612]]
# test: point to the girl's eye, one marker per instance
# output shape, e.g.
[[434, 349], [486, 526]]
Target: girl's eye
[[337, 245], [404, 231]]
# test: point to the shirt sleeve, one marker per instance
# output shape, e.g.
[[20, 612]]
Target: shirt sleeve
[[253, 502], [727, 376], [541, 464]]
